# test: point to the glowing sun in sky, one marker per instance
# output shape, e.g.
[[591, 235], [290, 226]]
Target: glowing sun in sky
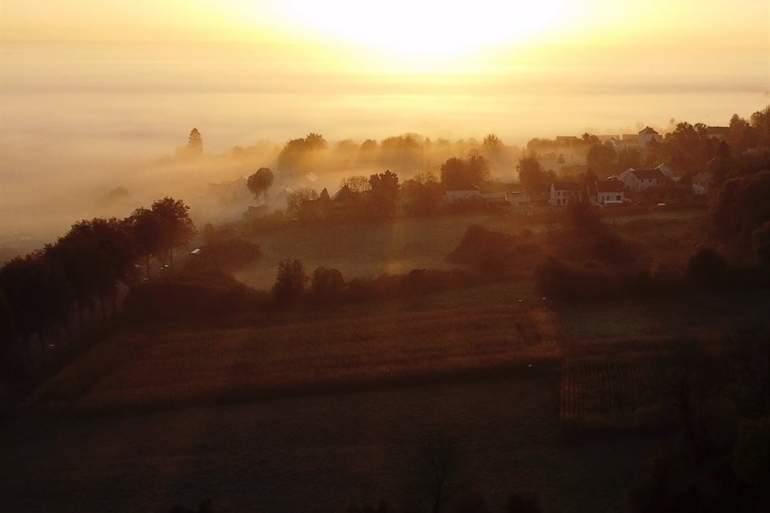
[[427, 28]]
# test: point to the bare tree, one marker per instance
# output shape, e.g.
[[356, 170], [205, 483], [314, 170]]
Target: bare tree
[[437, 474]]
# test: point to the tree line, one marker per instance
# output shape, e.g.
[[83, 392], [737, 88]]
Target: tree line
[[83, 269]]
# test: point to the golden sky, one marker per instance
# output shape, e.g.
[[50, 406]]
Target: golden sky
[[409, 31]]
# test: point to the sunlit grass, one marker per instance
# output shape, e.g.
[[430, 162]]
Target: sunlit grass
[[187, 367]]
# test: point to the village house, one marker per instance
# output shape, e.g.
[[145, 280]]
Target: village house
[[646, 136], [518, 199], [562, 193], [642, 179], [607, 192], [701, 183], [471, 192], [600, 192]]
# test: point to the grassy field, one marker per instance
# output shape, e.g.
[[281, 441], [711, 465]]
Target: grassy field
[[366, 249], [308, 409], [399, 344], [371, 249]]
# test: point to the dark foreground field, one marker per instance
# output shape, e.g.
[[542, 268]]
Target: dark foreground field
[[319, 453], [72, 451]]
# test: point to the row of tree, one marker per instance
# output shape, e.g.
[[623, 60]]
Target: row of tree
[[373, 198], [84, 268]]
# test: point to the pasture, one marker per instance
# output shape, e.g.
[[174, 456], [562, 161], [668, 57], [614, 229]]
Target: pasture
[[315, 408]]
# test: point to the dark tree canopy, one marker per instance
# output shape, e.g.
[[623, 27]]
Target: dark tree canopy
[[460, 174], [290, 281], [357, 184], [425, 194], [176, 227], [602, 159], [260, 182], [383, 195], [492, 145], [297, 200], [297, 153], [532, 177]]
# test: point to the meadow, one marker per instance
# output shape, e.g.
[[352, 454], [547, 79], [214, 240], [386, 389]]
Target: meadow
[[317, 407], [371, 249]]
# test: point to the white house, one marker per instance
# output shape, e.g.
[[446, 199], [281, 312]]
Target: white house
[[701, 183], [564, 192], [608, 192], [647, 135], [642, 179], [517, 199]]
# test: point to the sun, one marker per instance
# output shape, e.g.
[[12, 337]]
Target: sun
[[426, 29]]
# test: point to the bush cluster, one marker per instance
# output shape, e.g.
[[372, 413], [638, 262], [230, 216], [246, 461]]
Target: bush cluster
[[492, 252]]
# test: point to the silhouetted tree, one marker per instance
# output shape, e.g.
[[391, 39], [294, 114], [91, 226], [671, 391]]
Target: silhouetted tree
[[146, 231], [34, 292], [296, 201], [707, 269], [425, 193], [453, 174], [357, 184], [94, 256], [260, 182], [741, 206], [492, 145], [290, 281], [459, 174], [691, 379], [315, 141], [532, 177], [602, 159], [438, 472], [477, 167], [195, 142], [296, 153], [382, 197], [327, 285], [176, 227]]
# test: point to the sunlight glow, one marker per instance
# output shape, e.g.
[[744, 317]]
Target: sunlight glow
[[427, 28]]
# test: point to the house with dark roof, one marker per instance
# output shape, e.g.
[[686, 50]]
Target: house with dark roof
[[466, 193], [646, 136]]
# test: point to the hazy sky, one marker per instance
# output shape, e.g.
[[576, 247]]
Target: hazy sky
[[88, 88]]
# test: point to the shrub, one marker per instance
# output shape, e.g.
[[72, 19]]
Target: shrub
[[708, 270], [168, 300], [327, 285], [491, 252], [290, 282]]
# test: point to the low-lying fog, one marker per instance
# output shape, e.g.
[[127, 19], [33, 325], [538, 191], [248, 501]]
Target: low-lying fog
[[91, 130]]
